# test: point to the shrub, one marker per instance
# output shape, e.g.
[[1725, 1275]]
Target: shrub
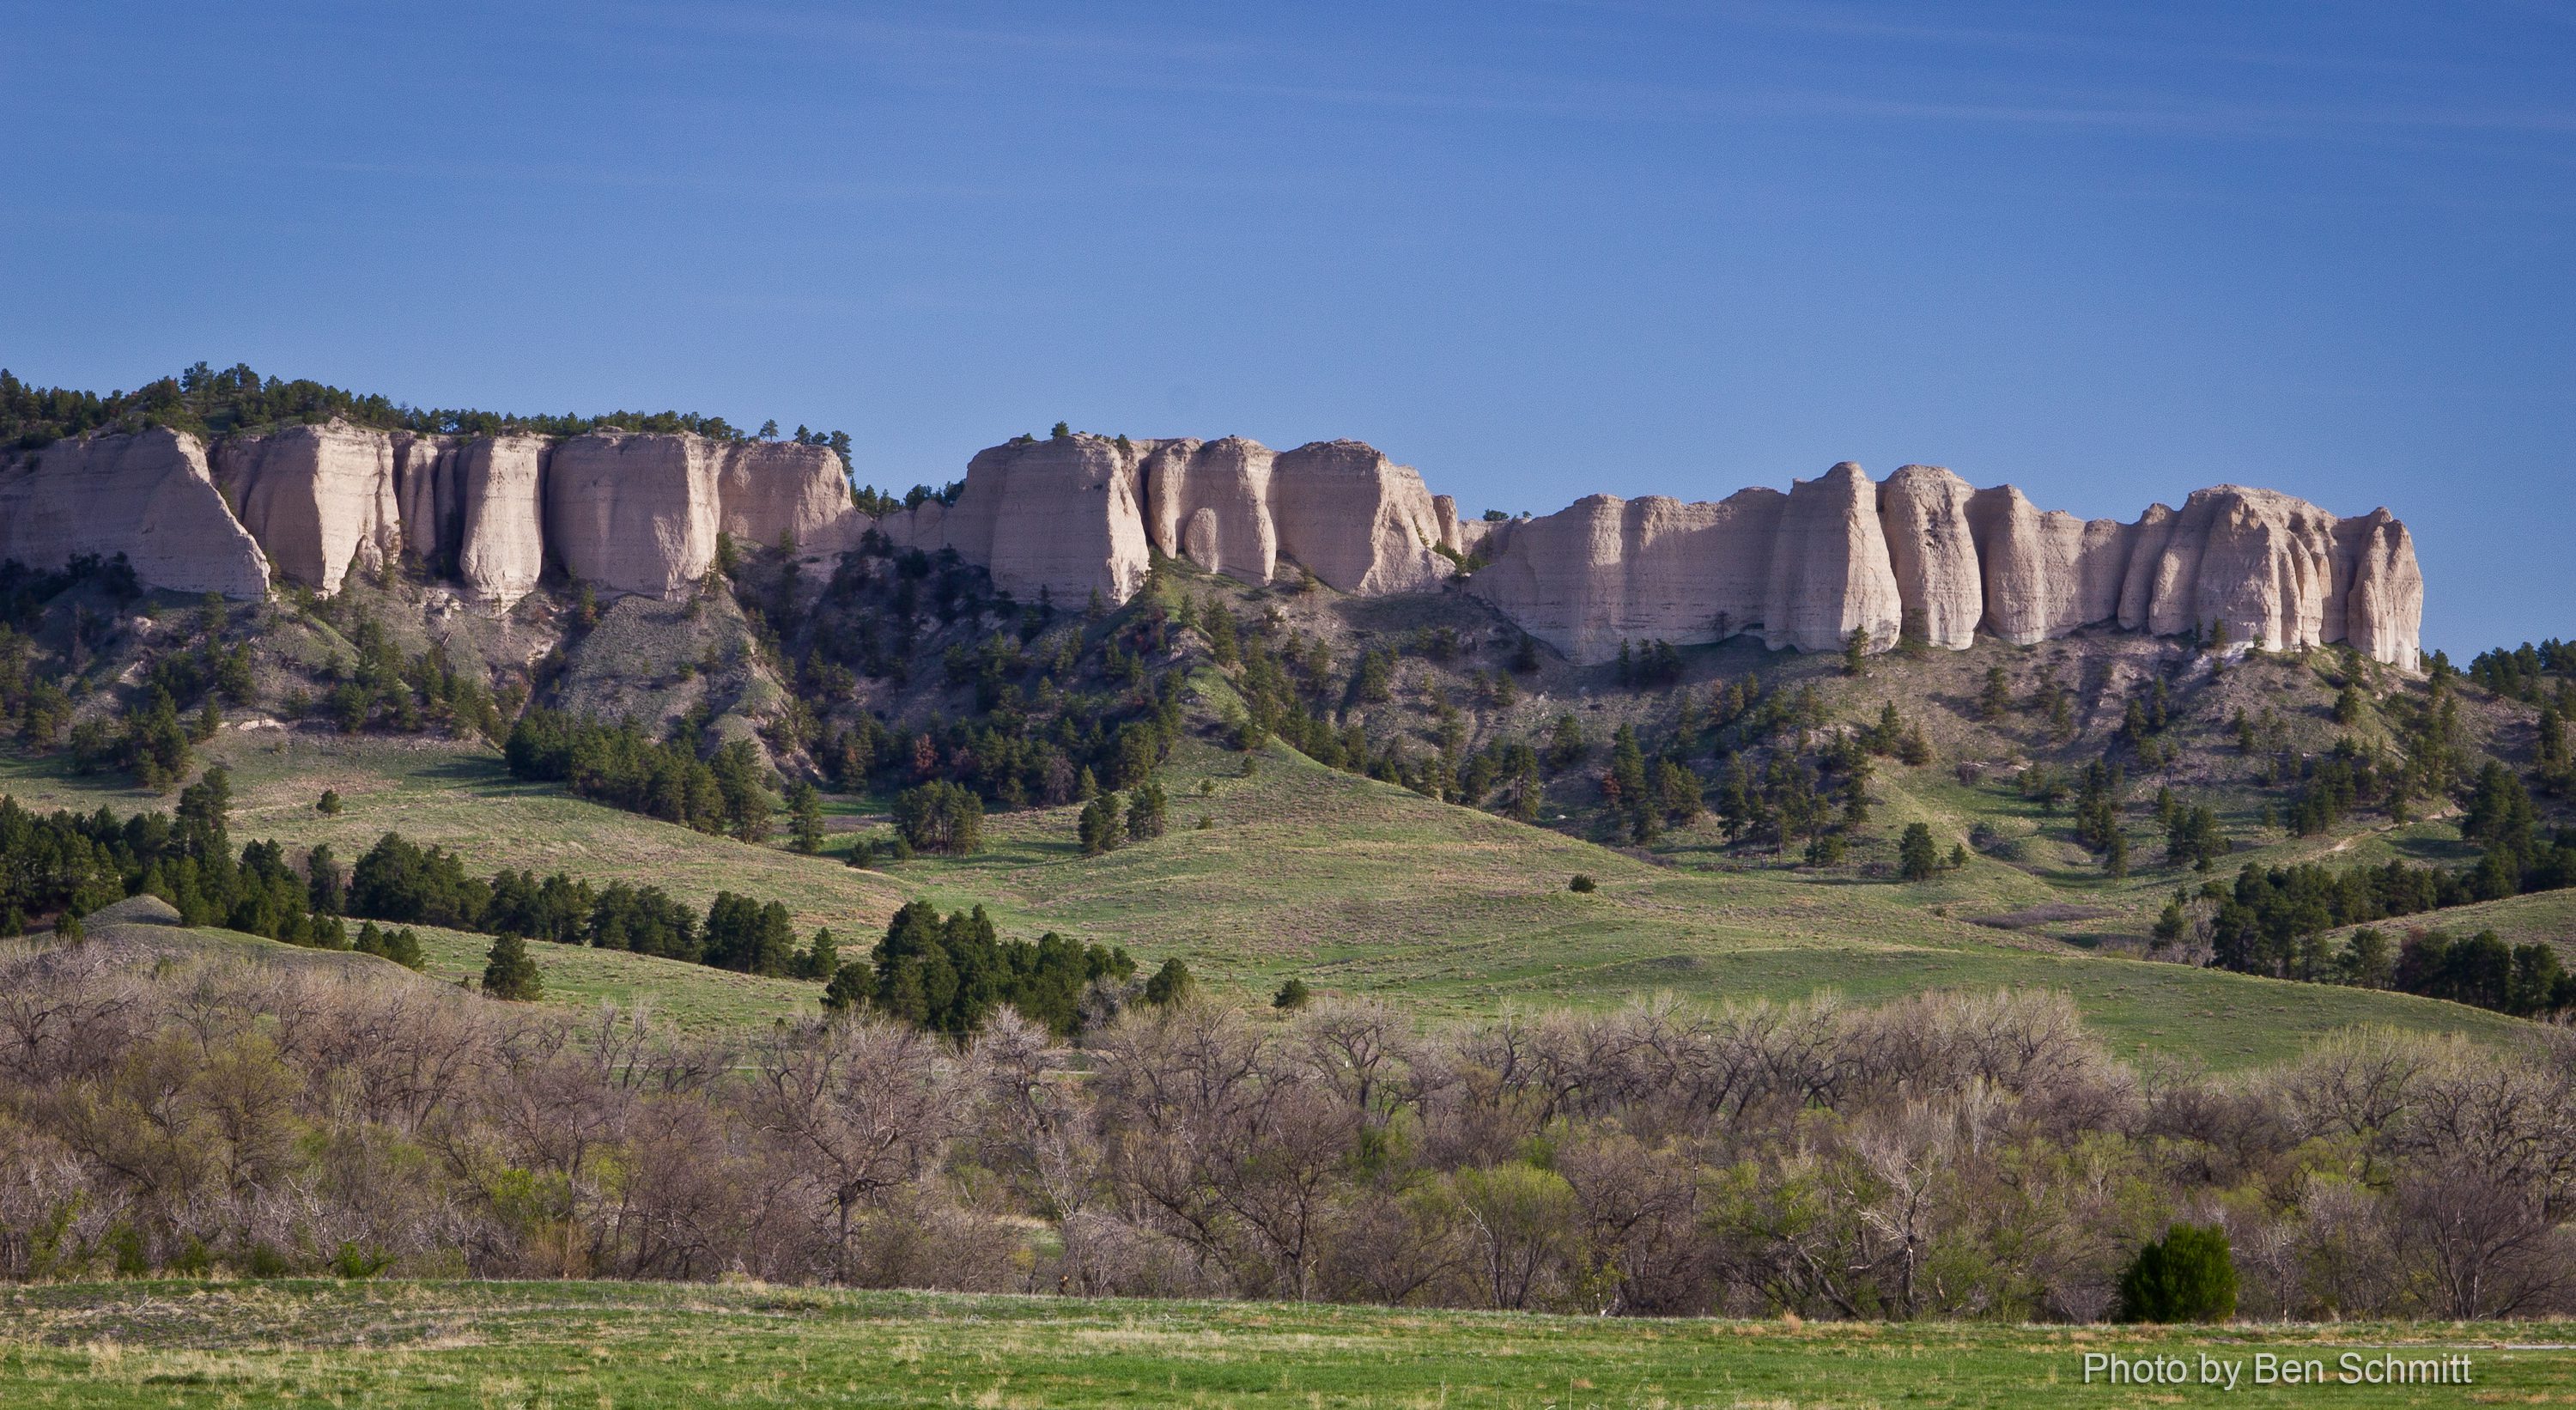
[[2186, 1277], [1292, 995], [1170, 984], [1582, 884], [329, 804]]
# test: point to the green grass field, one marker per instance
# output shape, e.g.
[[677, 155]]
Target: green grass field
[[1356, 886], [618, 1346]]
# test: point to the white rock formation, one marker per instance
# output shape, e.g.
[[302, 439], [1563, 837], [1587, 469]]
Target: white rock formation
[[2046, 574], [2383, 614], [148, 496], [1210, 503], [1830, 573], [1063, 515], [1357, 520], [1605, 570], [1923, 514], [779, 491], [425, 486], [319, 499], [1078, 514], [501, 485], [631, 513]]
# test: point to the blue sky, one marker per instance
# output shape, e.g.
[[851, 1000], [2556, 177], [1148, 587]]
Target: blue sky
[[1537, 250]]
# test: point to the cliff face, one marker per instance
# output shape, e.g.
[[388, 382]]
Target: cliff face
[[1074, 515], [1925, 553], [149, 497], [319, 499], [1077, 514]]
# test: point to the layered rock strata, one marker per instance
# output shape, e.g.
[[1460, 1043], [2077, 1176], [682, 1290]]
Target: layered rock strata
[[628, 513], [150, 497], [1925, 554], [320, 499]]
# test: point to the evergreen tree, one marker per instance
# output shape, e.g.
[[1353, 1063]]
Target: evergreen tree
[[805, 817], [1996, 700], [1102, 825], [1916, 855], [1147, 812], [2188, 1276], [509, 973], [1856, 652], [1170, 984]]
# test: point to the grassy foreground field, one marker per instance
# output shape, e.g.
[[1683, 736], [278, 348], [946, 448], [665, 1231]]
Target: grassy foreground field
[[635, 1345]]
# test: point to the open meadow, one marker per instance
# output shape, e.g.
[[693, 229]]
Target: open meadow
[[623, 1346]]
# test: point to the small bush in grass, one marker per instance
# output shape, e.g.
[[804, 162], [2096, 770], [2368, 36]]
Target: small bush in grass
[[1292, 995], [1170, 984], [329, 804], [1582, 884], [2188, 1276], [356, 1260]]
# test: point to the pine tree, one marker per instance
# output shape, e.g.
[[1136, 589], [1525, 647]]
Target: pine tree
[[1916, 856], [1996, 700], [1856, 652], [509, 973], [805, 817], [1102, 825]]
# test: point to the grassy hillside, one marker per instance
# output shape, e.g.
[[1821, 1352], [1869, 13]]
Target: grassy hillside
[[1353, 885], [690, 997], [460, 797], [488, 1344]]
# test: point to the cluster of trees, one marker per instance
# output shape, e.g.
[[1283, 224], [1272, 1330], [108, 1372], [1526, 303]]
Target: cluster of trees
[[1107, 822], [951, 975], [619, 765], [2276, 921], [383, 689], [1943, 1157], [212, 403], [1061, 705], [66, 865], [399, 880]]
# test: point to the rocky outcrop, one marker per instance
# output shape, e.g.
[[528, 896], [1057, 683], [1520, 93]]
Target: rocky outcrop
[[500, 486], [319, 499], [1210, 503], [1830, 573], [1923, 515], [2383, 616], [1605, 570], [2046, 574], [1075, 515], [780, 492], [634, 513], [150, 497], [1926, 550], [1355, 519], [425, 487], [1064, 516], [2279, 572]]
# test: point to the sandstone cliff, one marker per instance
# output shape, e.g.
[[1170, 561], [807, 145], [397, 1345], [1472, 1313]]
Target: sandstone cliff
[[1079, 514], [500, 535], [319, 499], [149, 497], [1923, 514], [1925, 553]]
